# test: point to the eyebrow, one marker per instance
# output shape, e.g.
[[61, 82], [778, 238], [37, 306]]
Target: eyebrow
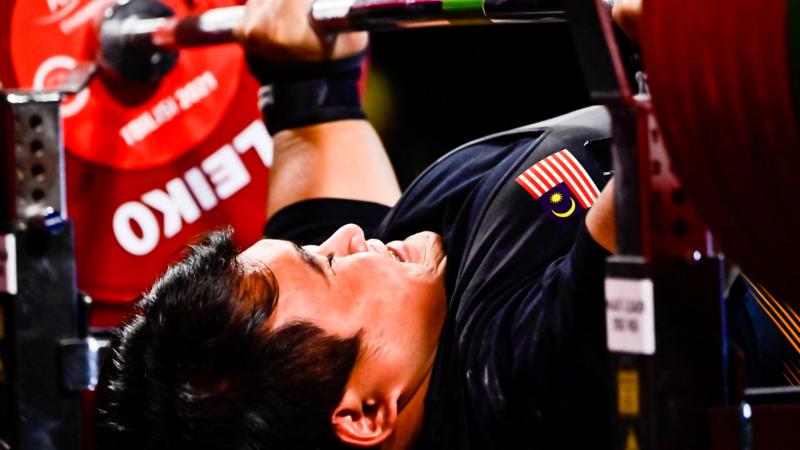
[[308, 258]]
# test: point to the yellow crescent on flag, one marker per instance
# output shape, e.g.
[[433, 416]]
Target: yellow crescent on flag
[[566, 213]]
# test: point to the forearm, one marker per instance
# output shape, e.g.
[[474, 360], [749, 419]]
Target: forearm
[[341, 159], [600, 220], [323, 147]]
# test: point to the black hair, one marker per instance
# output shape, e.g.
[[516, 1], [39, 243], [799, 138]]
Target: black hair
[[200, 368]]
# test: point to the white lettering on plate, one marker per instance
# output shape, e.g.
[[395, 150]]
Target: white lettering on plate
[[200, 187], [255, 136], [175, 204], [226, 171], [184, 199], [196, 90], [131, 241], [168, 108], [87, 13]]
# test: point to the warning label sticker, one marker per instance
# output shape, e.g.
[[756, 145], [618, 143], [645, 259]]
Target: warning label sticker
[[630, 441], [628, 393], [630, 316]]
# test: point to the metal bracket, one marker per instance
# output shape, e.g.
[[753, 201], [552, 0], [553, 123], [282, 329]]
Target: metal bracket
[[38, 158], [81, 361], [8, 264], [37, 277]]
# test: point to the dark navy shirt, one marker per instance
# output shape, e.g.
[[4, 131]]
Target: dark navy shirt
[[521, 358]]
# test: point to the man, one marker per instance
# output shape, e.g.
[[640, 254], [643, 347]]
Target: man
[[474, 321]]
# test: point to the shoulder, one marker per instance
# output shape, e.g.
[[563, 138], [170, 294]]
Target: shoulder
[[593, 122]]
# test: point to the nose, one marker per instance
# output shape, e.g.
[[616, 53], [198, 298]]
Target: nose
[[345, 241]]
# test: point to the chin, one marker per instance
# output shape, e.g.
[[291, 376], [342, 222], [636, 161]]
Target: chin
[[429, 246]]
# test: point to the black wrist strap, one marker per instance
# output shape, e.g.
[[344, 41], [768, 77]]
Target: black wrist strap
[[300, 94]]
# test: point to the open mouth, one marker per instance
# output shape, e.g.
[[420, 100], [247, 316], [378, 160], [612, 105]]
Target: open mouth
[[395, 253]]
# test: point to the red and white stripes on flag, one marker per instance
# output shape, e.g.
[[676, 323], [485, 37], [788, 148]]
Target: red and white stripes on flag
[[560, 167]]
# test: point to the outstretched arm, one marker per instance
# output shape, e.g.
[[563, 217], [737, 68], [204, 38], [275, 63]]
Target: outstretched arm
[[600, 220], [342, 159], [337, 159]]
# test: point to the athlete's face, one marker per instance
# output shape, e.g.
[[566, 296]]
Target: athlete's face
[[394, 292]]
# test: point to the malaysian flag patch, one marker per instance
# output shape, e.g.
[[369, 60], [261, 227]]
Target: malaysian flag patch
[[561, 184]]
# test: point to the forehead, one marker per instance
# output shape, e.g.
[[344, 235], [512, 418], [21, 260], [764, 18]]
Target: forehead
[[278, 255], [286, 260], [267, 251], [305, 293]]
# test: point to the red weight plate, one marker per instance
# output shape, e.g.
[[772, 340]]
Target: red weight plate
[[123, 126], [135, 204], [720, 83]]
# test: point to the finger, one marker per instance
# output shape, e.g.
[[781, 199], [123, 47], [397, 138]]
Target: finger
[[626, 14], [239, 30]]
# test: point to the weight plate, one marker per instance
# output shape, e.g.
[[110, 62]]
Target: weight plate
[[147, 171], [720, 79], [122, 125], [794, 47]]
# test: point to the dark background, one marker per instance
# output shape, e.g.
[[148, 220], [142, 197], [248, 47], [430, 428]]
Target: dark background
[[433, 89]]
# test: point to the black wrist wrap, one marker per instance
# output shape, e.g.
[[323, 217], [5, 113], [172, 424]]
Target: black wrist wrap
[[300, 94]]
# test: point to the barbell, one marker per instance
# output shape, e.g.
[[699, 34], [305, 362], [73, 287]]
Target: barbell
[[139, 40]]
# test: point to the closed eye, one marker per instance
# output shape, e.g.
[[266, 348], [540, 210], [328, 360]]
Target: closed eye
[[311, 260]]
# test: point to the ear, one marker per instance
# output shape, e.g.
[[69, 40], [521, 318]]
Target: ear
[[364, 422]]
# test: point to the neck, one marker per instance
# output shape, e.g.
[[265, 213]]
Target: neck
[[409, 420]]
